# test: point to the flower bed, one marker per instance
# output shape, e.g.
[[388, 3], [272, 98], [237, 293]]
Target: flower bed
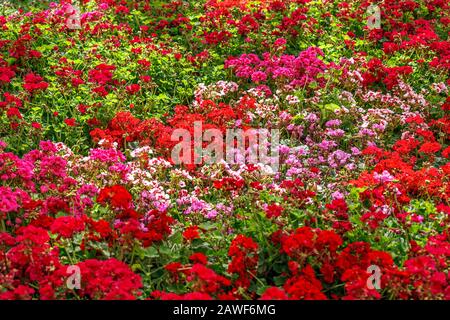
[[93, 204]]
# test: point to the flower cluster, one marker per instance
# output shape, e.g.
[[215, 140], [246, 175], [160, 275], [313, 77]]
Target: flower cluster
[[90, 193]]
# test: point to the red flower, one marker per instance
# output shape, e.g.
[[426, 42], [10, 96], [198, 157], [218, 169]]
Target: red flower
[[101, 74], [430, 147], [67, 226], [144, 63], [117, 196], [146, 78], [101, 91], [70, 122], [108, 280], [199, 258], [173, 267], [36, 125], [133, 89], [34, 82], [274, 211], [6, 74], [244, 253], [256, 185], [13, 112], [446, 152], [207, 280], [191, 233], [22, 292], [274, 293], [229, 183], [305, 286]]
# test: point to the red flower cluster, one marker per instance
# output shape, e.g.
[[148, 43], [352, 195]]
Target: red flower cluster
[[109, 280], [191, 233], [6, 74], [117, 196], [378, 73], [273, 211], [67, 226], [244, 260], [34, 83]]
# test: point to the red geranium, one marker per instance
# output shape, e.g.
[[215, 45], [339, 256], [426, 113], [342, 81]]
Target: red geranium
[[34, 83], [117, 196], [274, 211], [191, 233]]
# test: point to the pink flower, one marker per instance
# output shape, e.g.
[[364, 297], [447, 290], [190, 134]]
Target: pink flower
[[259, 76], [8, 202], [280, 42], [383, 177]]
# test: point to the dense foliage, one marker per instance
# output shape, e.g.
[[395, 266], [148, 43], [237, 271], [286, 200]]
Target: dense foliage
[[86, 177]]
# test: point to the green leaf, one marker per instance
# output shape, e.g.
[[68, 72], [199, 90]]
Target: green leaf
[[136, 267], [279, 280], [332, 107], [151, 252]]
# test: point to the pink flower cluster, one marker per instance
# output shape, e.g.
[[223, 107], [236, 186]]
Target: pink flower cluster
[[294, 71]]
